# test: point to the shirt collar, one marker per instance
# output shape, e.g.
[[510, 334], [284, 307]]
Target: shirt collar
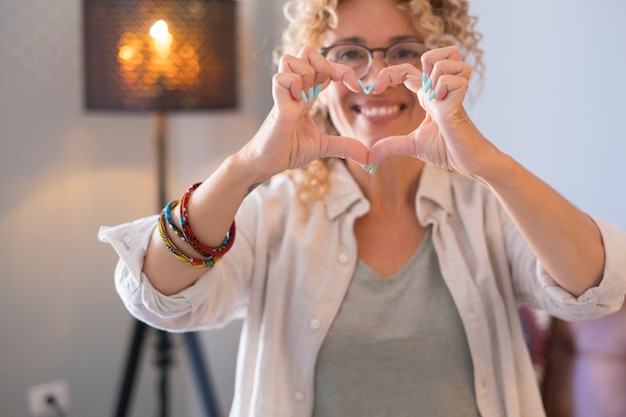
[[344, 190], [434, 191]]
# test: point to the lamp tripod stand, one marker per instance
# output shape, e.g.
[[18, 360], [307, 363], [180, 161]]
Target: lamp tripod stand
[[160, 56], [164, 344]]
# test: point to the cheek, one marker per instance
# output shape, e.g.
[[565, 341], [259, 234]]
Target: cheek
[[333, 95], [334, 99]]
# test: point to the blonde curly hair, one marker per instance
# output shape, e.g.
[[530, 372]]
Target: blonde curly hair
[[443, 23]]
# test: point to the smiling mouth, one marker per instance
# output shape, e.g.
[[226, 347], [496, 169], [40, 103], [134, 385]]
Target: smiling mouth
[[379, 111]]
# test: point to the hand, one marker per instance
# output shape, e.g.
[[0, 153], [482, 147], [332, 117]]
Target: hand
[[289, 138], [446, 137]]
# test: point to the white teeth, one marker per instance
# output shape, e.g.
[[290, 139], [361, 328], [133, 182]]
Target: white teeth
[[379, 111]]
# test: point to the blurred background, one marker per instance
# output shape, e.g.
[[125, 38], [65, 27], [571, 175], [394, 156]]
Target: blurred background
[[553, 98]]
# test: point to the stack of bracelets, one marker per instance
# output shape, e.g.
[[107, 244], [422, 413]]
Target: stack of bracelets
[[209, 256]]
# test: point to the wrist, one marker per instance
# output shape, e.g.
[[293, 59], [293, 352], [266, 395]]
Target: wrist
[[251, 165], [500, 170]]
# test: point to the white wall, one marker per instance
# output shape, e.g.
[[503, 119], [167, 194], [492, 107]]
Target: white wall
[[554, 94], [552, 98], [63, 173]]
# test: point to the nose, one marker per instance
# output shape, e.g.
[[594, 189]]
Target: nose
[[377, 63]]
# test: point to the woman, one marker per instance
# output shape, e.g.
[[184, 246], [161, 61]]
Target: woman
[[381, 273]]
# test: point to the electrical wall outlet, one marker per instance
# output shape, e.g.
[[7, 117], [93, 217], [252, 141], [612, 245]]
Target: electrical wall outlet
[[39, 398]]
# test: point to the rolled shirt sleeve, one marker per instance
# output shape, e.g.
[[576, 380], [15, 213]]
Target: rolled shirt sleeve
[[216, 298], [143, 301], [605, 298]]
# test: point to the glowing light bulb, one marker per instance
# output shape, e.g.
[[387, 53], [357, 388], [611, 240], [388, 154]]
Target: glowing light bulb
[[160, 31], [162, 38]]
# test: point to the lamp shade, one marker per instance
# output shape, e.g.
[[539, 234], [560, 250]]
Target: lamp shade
[[159, 55]]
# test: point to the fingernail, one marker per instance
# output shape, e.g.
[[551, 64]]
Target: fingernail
[[428, 84], [310, 95], [363, 86], [367, 90], [432, 95], [318, 90], [303, 95], [424, 79], [369, 169]]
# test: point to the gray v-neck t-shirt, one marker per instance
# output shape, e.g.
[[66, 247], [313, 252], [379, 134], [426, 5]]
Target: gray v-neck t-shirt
[[396, 348]]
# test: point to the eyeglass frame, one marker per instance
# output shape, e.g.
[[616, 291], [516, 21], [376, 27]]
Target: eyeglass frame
[[370, 51]]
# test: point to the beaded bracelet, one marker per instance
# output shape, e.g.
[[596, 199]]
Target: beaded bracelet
[[170, 221], [200, 263], [190, 237]]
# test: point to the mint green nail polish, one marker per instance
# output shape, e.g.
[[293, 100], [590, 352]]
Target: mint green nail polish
[[310, 94], [303, 95], [318, 90], [363, 86], [432, 95], [424, 79], [428, 84], [367, 90], [369, 169]]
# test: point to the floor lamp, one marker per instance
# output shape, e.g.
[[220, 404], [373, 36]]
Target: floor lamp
[[160, 56]]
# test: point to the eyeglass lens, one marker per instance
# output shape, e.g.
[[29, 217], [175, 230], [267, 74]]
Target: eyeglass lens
[[360, 58]]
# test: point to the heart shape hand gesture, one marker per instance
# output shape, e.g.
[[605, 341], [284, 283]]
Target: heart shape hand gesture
[[289, 137]]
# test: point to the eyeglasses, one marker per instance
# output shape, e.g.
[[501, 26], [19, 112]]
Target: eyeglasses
[[360, 57]]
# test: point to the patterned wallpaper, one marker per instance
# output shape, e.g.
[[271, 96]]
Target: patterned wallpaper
[[39, 63]]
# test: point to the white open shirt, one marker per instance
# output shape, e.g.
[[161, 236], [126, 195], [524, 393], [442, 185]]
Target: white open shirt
[[286, 277]]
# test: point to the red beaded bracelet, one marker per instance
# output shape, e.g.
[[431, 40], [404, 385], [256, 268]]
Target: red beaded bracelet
[[190, 237], [178, 253]]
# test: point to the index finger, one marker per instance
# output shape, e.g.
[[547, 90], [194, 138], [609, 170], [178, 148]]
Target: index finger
[[431, 57], [406, 74], [319, 64], [346, 75]]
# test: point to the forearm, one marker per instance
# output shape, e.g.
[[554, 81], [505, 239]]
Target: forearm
[[566, 240], [211, 210]]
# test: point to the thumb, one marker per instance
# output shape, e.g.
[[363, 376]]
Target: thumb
[[344, 147], [391, 146]]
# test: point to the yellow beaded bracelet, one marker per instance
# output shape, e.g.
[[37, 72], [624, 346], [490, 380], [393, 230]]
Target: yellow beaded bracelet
[[178, 253]]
